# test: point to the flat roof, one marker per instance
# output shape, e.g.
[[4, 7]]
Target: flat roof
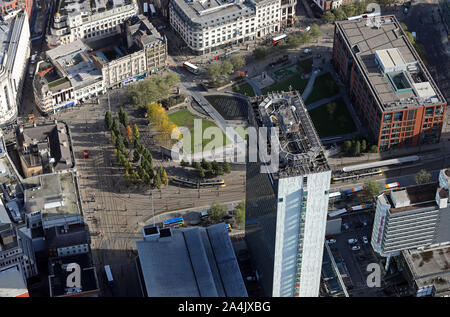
[[197, 262], [383, 36], [299, 144], [44, 192], [12, 284], [430, 267], [420, 196]]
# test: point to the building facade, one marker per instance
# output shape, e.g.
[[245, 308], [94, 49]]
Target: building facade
[[79, 20], [389, 87], [207, 25], [9, 8], [286, 210], [412, 217], [14, 54]]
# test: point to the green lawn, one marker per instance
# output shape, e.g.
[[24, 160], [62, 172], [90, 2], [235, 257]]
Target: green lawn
[[244, 89], [305, 66], [332, 119], [185, 118], [324, 87], [295, 81]]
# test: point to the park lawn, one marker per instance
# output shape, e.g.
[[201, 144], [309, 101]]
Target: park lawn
[[332, 119], [295, 81], [324, 87], [184, 118], [245, 89], [285, 72]]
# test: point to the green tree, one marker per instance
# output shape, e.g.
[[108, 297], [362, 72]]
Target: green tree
[[136, 133], [422, 177], [214, 72], [157, 181], [371, 189], [201, 172], [340, 14], [184, 163], [226, 168], [357, 148], [113, 137], [238, 61], [216, 212], [136, 156], [328, 17], [116, 127], [108, 120], [226, 69], [260, 53], [127, 175], [239, 214], [373, 149], [346, 147], [315, 31], [363, 145], [349, 10]]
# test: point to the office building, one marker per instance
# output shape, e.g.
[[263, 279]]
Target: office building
[[86, 19], [196, 262], [389, 86], [286, 210], [14, 54], [326, 5], [412, 217], [208, 25]]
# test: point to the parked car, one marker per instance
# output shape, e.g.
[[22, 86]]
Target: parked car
[[331, 241], [365, 240], [307, 51], [356, 247], [352, 241], [346, 226]]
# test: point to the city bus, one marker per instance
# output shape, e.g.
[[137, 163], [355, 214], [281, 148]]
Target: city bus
[[179, 221], [152, 9], [191, 67], [278, 39]]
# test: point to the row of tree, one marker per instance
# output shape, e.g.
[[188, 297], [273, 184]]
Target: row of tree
[[209, 169], [221, 70], [345, 11], [357, 146], [140, 169], [153, 89]]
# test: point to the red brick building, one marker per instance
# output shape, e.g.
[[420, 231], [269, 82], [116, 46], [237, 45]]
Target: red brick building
[[8, 6], [389, 86]]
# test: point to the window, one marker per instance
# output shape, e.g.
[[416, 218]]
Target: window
[[429, 112], [387, 118], [398, 116]]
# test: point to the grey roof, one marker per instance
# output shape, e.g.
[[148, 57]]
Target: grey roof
[[10, 32], [367, 36], [140, 27], [211, 13], [76, 234], [194, 262]]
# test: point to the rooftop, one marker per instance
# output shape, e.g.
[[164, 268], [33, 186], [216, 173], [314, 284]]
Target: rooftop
[[53, 194], [141, 29], [197, 262], [430, 267], [58, 276], [12, 284], [298, 142], [412, 197], [390, 63], [10, 32], [61, 236], [210, 13]]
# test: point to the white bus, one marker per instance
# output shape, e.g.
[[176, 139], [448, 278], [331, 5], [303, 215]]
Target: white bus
[[190, 67], [337, 212], [152, 9], [145, 7], [277, 39], [109, 275]]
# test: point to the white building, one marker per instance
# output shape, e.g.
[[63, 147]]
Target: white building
[[78, 20], [206, 25], [14, 54], [286, 210]]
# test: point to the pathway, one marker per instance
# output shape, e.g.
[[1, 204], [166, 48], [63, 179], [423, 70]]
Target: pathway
[[255, 87], [322, 101]]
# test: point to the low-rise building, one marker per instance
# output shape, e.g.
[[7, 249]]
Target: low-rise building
[[14, 54], [13, 284], [427, 271], [197, 262], [44, 149]]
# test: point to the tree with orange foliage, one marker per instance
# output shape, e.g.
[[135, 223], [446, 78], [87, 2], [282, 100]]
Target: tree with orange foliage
[[129, 133]]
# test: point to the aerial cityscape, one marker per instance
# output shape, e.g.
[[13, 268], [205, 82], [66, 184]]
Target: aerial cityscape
[[224, 148]]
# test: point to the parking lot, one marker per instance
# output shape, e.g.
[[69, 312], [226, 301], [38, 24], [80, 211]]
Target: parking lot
[[353, 257]]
